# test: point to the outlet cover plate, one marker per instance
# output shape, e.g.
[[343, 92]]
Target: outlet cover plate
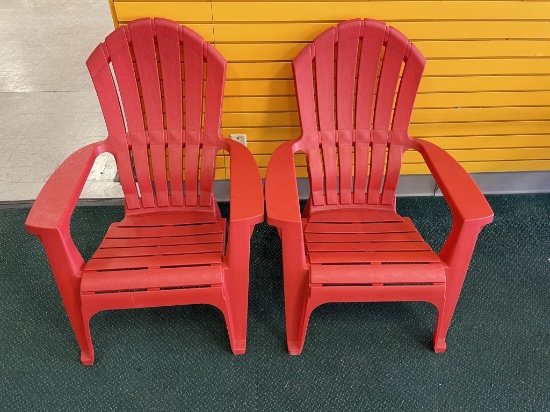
[[241, 138]]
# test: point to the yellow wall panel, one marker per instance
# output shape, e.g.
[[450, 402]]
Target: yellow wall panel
[[265, 134], [482, 99], [263, 70], [195, 11], [537, 145], [421, 30], [287, 51], [484, 142], [480, 128], [485, 95], [487, 155], [253, 52], [450, 67], [260, 87], [470, 84], [484, 48], [457, 102], [444, 84], [290, 11], [506, 66], [482, 114], [242, 120], [260, 104], [463, 156]]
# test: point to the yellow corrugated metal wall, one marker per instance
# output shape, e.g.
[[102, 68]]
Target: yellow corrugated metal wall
[[485, 95]]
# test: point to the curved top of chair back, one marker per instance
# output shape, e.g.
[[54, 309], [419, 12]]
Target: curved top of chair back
[[356, 84], [160, 87]]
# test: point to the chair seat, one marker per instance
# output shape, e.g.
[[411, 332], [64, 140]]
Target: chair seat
[[368, 247], [157, 251]]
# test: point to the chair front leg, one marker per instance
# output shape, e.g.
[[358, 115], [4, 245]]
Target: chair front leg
[[66, 263], [237, 283], [456, 255], [296, 287]]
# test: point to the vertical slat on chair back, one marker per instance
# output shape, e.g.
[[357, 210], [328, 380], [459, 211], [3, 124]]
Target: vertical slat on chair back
[[170, 61], [167, 133], [352, 122]]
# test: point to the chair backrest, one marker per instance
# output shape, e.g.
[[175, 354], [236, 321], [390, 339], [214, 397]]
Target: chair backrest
[[160, 87], [356, 85]]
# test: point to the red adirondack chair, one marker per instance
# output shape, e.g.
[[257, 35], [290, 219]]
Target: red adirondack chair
[[350, 245], [160, 87]]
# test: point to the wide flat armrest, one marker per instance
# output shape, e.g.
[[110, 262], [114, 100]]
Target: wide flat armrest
[[245, 187], [281, 189], [57, 199], [465, 200]]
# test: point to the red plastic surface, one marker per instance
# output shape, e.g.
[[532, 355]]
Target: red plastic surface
[[171, 248], [356, 85]]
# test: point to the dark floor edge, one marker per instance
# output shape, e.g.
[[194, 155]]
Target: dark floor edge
[[409, 185]]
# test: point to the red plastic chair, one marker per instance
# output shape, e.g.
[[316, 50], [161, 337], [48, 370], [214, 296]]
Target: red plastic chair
[[350, 245], [160, 87]]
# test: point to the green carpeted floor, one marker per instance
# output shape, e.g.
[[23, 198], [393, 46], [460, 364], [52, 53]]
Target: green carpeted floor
[[357, 356]]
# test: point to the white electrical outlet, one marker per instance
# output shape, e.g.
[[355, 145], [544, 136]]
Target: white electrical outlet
[[241, 138]]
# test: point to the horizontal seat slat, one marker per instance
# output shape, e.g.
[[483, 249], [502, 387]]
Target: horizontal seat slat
[[367, 246], [163, 241], [355, 216], [135, 232], [153, 261], [167, 219], [369, 257], [158, 250], [365, 274], [358, 227], [362, 237], [151, 278]]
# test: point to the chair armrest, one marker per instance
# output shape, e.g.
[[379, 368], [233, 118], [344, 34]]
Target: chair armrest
[[245, 186], [56, 201], [281, 189], [463, 196]]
